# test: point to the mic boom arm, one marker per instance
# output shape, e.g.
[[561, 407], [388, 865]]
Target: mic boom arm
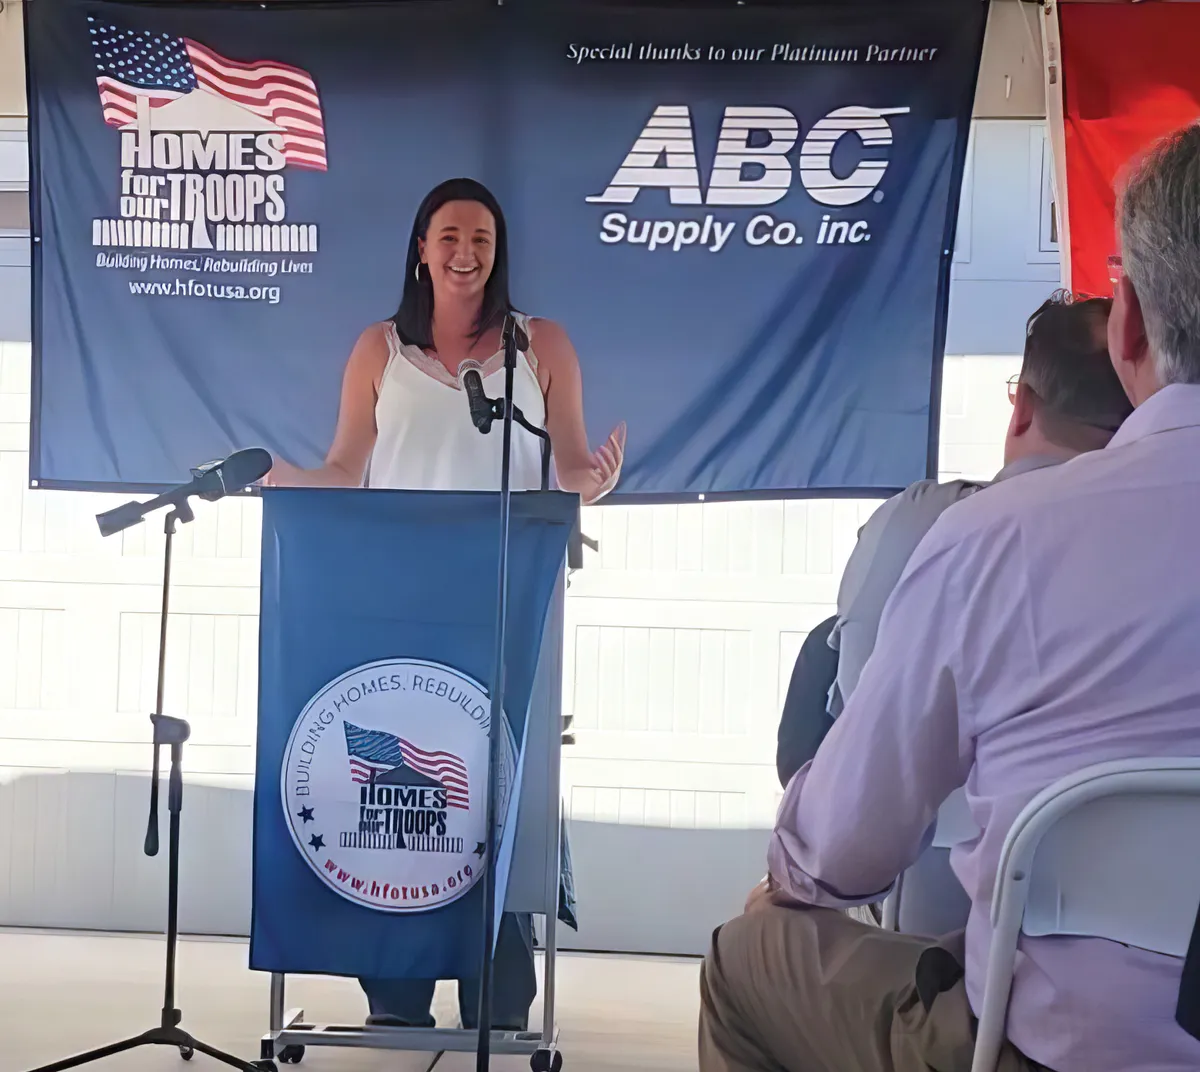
[[212, 482], [496, 413], [541, 433]]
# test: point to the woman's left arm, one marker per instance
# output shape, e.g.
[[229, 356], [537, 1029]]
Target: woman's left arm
[[593, 474]]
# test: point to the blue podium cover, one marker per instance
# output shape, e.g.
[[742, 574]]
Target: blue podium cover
[[376, 645]]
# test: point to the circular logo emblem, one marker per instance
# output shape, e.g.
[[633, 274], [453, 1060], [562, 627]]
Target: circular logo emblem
[[385, 784]]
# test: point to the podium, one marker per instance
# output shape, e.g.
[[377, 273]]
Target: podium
[[376, 638]]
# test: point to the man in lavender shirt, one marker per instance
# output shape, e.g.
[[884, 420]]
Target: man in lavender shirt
[[1044, 626], [1067, 400]]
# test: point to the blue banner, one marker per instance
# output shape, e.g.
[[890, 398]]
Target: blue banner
[[742, 218], [376, 639]]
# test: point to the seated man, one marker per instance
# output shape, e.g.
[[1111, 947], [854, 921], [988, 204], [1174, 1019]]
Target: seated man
[[1067, 400], [1044, 626]]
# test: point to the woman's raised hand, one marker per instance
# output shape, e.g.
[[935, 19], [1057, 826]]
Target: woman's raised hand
[[606, 467]]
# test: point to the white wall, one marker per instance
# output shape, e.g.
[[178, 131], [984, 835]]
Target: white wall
[[1005, 262], [14, 222], [12, 60]]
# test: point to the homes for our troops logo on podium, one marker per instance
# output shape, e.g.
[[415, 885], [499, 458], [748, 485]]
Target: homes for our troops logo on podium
[[385, 784]]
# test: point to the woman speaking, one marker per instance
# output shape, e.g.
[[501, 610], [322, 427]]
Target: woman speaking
[[403, 422]]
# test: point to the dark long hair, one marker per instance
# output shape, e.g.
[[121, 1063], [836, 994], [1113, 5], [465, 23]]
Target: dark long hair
[[414, 318]]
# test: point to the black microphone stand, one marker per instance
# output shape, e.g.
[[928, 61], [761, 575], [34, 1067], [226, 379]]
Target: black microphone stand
[[512, 340], [483, 1050], [173, 732]]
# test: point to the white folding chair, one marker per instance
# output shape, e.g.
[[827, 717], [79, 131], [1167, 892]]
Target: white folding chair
[[1108, 852]]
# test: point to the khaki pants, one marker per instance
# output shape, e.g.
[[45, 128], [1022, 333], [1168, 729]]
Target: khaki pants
[[812, 990]]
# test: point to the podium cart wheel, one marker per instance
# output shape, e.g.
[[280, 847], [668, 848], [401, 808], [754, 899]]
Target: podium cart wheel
[[546, 1061], [186, 1052], [291, 1055]]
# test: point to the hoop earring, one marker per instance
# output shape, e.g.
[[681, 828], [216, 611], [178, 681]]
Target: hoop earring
[[417, 272]]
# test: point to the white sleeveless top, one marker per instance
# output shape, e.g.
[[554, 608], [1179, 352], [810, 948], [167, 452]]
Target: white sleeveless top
[[426, 440]]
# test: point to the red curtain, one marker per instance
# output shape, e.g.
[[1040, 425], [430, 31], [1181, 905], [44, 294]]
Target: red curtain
[[1131, 73]]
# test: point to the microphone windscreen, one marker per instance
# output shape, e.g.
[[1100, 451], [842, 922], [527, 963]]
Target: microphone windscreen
[[468, 366], [243, 467]]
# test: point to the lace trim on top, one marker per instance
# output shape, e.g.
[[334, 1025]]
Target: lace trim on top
[[433, 368]]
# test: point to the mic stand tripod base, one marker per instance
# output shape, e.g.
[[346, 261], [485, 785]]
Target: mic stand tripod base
[[175, 1037], [172, 732]]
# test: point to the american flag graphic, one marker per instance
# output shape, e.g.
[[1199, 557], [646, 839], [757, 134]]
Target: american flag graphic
[[132, 64], [373, 752]]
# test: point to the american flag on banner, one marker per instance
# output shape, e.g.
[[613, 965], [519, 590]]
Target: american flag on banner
[[373, 753], [132, 64]]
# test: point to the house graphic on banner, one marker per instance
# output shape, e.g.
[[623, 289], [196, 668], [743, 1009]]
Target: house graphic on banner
[[200, 114], [204, 142]]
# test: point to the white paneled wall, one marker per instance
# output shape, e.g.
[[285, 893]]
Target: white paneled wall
[[684, 809], [79, 622], [78, 635], [676, 651], [640, 679], [32, 663]]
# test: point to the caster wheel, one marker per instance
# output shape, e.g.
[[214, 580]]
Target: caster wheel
[[291, 1055], [266, 1050], [266, 1066], [186, 1052], [546, 1061]]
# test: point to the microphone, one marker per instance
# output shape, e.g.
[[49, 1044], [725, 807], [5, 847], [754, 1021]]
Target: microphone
[[470, 380], [241, 469]]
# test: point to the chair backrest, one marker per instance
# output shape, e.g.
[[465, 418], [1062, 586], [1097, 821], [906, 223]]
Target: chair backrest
[[1108, 852], [1126, 868]]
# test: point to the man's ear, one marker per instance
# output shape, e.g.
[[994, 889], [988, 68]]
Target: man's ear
[[1024, 409], [1132, 346]]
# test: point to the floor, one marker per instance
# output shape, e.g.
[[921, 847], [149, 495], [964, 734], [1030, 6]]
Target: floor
[[65, 992]]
